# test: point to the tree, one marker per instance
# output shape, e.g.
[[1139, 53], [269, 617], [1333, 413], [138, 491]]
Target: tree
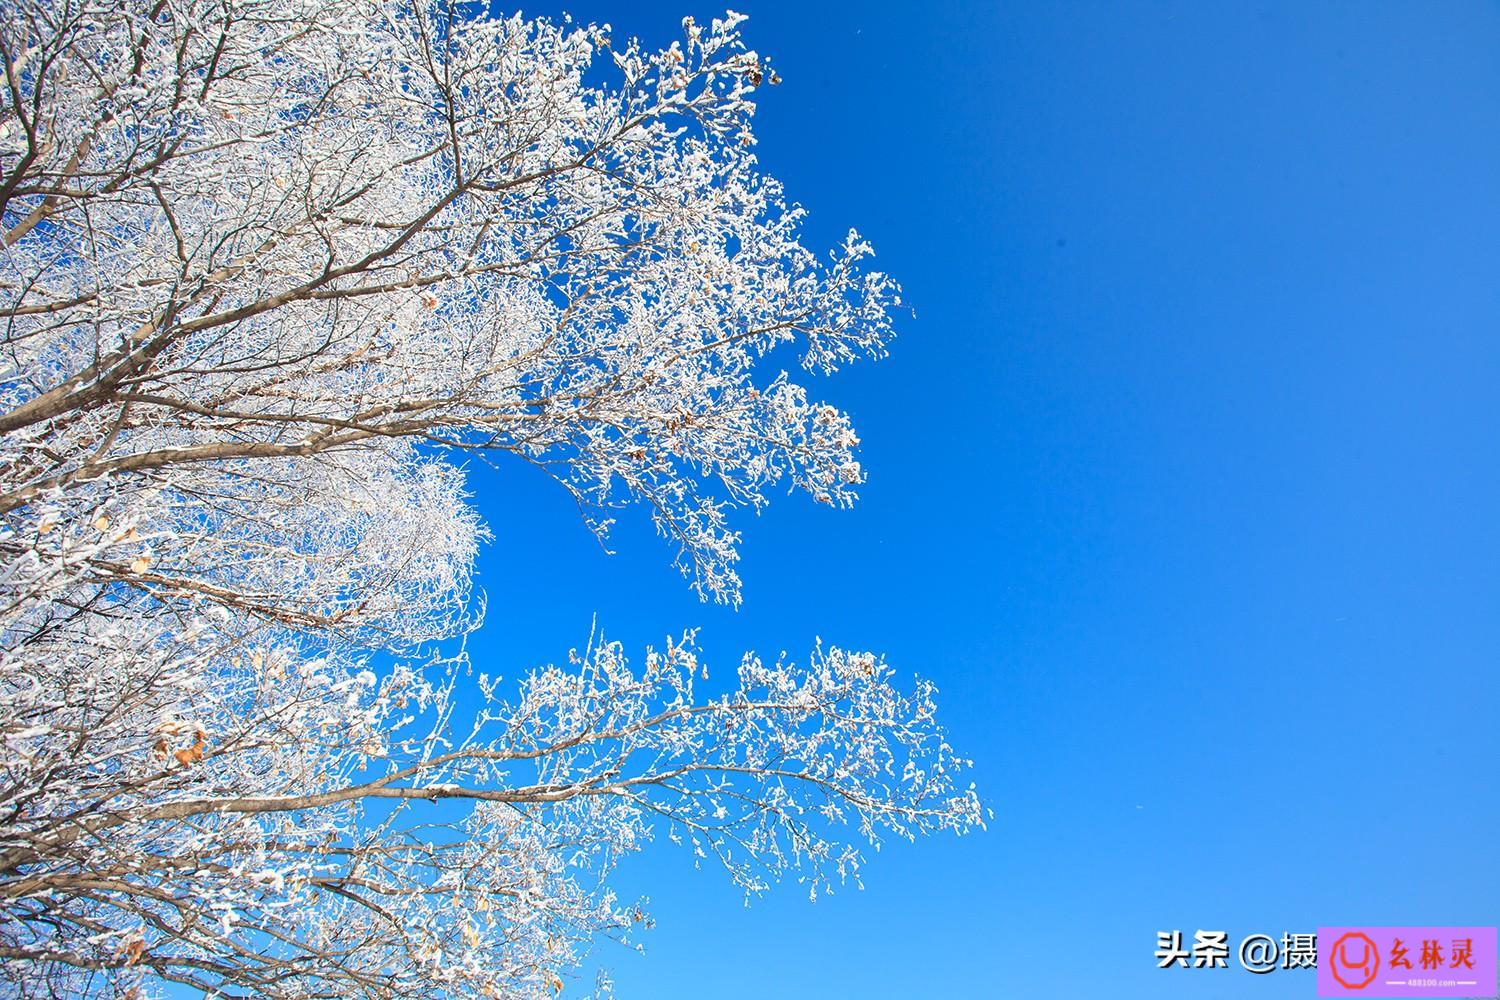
[[269, 269]]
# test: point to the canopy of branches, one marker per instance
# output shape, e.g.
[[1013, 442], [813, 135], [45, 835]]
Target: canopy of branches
[[268, 266]]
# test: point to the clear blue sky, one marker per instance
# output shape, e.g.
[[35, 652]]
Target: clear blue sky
[[1184, 483]]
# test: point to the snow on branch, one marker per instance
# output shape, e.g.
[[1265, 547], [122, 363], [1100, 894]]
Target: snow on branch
[[270, 270]]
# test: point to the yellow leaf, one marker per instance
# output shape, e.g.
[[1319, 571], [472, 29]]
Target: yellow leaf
[[194, 753]]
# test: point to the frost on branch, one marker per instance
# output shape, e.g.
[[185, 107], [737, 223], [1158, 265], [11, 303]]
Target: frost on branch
[[270, 269], [247, 822], [756, 777], [302, 231]]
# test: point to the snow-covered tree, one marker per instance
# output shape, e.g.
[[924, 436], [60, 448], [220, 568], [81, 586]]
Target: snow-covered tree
[[269, 268]]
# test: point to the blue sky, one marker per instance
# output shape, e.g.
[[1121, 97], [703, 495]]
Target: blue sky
[[1183, 488]]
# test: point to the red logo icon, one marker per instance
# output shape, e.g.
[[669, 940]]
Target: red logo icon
[[1354, 960]]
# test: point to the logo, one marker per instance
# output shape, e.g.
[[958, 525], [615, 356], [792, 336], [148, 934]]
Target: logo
[[1406, 961], [1354, 973]]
